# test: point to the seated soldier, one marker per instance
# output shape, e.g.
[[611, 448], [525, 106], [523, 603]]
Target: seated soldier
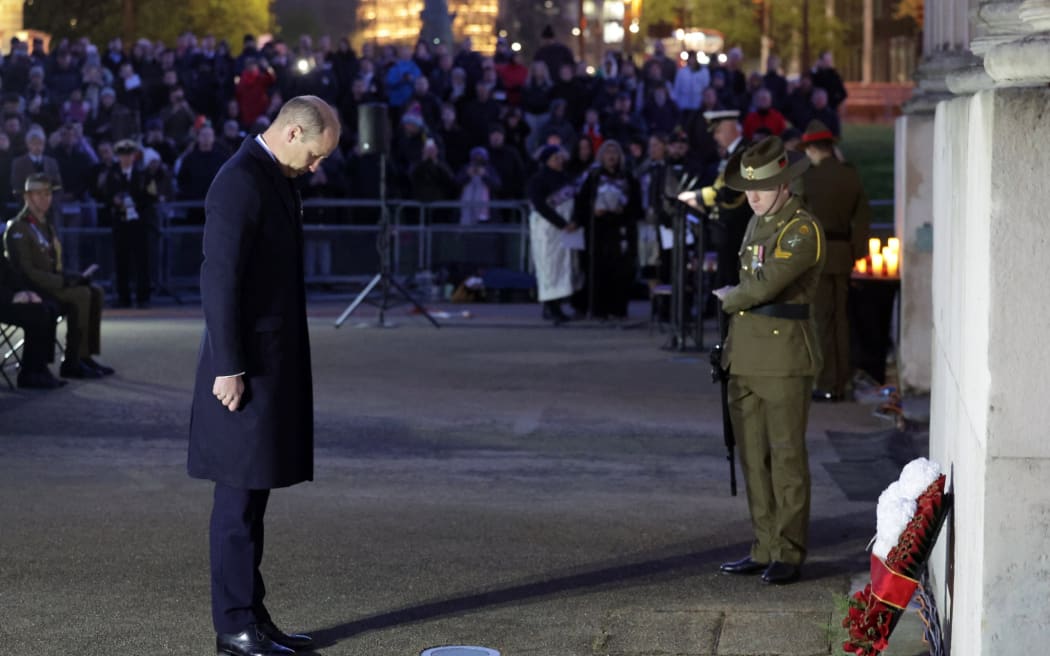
[[34, 251], [25, 309]]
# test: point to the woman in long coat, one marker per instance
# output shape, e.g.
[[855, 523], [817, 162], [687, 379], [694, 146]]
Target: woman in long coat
[[609, 205]]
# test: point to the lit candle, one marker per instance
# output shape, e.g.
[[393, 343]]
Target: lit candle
[[892, 260], [874, 248], [861, 265], [876, 264], [894, 244]]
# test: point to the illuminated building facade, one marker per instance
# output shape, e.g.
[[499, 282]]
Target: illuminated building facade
[[399, 22]]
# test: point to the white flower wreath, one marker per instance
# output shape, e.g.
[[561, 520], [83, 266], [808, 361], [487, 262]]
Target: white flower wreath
[[897, 505]]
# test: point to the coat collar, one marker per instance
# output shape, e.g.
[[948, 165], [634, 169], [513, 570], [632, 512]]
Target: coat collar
[[282, 183]]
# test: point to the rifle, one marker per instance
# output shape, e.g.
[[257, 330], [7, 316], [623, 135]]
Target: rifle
[[721, 376]]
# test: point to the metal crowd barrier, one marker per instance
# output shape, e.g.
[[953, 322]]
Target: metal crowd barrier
[[341, 239]]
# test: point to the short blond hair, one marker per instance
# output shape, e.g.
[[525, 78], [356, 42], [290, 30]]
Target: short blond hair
[[310, 113]]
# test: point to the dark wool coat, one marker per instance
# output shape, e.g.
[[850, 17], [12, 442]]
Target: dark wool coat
[[254, 302]]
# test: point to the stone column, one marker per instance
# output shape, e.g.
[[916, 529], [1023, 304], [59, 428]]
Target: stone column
[[945, 53], [990, 362]]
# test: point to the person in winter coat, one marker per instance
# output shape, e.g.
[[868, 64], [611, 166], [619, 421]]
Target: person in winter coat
[[251, 423], [479, 182], [551, 197], [252, 90], [608, 205]]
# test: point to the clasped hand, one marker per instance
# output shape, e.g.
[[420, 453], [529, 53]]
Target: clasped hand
[[229, 390]]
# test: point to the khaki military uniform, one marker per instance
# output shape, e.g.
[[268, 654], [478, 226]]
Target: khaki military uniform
[[772, 355], [834, 194], [35, 253]]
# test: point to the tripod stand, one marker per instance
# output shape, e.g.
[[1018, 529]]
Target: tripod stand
[[683, 327], [683, 304], [384, 279]]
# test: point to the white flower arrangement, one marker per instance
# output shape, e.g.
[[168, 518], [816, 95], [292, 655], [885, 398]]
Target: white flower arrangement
[[897, 505]]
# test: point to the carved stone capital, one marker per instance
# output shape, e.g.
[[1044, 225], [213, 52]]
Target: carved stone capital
[[1021, 63], [998, 23], [935, 79], [968, 81], [1036, 14]]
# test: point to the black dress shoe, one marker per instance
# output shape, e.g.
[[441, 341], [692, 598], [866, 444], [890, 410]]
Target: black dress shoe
[[294, 641], [249, 642], [743, 566], [77, 369], [779, 573], [42, 379], [97, 366]]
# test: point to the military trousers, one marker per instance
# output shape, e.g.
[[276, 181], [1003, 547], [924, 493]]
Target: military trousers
[[829, 309], [769, 415], [82, 306]]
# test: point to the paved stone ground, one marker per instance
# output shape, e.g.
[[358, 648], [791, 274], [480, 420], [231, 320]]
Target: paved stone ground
[[540, 491]]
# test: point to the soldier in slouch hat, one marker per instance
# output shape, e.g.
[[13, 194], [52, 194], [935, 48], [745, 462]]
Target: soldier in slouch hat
[[772, 355]]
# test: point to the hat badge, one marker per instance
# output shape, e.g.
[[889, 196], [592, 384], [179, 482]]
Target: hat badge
[[749, 172]]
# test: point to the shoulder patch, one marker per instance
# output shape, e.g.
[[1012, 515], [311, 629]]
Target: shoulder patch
[[799, 230]]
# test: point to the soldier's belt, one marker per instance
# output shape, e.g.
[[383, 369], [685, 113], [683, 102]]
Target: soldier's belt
[[798, 311]]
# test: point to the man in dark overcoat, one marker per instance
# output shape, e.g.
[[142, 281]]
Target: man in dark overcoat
[[251, 427]]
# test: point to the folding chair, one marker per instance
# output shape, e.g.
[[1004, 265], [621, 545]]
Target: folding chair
[[58, 342], [9, 350]]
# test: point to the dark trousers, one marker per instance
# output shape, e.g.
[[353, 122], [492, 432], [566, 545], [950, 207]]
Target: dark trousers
[[236, 536], [611, 273], [37, 321], [82, 306], [131, 255]]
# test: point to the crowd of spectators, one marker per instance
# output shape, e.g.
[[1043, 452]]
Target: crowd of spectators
[[464, 125]]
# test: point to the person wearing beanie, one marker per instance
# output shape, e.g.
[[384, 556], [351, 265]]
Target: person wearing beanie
[[479, 183], [551, 198]]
